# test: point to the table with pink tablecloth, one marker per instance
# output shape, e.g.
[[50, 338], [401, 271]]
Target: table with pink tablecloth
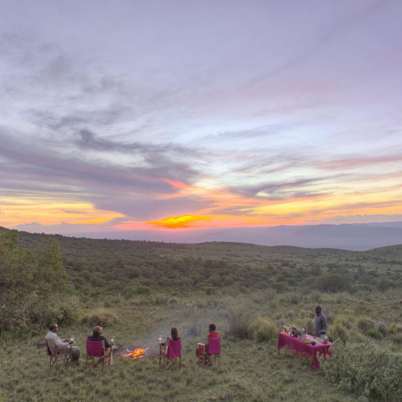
[[305, 349]]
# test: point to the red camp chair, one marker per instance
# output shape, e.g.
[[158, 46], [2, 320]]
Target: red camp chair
[[173, 352], [96, 353]]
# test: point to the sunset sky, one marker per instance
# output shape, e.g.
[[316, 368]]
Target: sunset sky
[[145, 116]]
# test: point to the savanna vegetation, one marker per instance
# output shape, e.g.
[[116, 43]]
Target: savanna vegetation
[[138, 290]]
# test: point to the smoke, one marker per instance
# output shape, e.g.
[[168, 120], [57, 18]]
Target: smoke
[[192, 323]]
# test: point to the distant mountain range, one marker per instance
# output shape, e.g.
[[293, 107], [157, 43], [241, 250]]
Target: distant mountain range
[[345, 236]]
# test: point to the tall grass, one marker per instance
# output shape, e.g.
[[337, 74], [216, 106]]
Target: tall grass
[[366, 370]]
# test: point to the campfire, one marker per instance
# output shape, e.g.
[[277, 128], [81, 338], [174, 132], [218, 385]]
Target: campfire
[[136, 353]]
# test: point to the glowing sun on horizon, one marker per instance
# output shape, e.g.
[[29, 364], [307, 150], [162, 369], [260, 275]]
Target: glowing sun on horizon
[[179, 222]]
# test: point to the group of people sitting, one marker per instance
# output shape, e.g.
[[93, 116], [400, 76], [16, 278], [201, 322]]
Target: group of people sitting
[[204, 351], [57, 346]]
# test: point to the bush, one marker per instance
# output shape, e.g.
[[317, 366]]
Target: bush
[[366, 325], [33, 286], [338, 331], [385, 284], [136, 291], [397, 338], [310, 327], [366, 371], [63, 312], [382, 329], [371, 328], [333, 283], [100, 316], [394, 329], [374, 333], [239, 325], [263, 329], [344, 321]]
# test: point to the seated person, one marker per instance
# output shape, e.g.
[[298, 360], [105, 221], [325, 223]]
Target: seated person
[[58, 345], [97, 336], [212, 332], [174, 334], [213, 335], [173, 352]]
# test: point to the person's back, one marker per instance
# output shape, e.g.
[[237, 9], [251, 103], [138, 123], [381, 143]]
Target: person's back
[[213, 333], [174, 345], [213, 340], [97, 336]]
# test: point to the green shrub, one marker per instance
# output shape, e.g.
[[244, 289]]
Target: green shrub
[[366, 371], [33, 285], [338, 331], [394, 329], [263, 329], [385, 284], [366, 325], [333, 283], [310, 327], [344, 321], [382, 329], [397, 338], [239, 325], [100, 316], [64, 312], [374, 333], [376, 330]]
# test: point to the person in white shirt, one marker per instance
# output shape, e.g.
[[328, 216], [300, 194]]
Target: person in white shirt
[[58, 345]]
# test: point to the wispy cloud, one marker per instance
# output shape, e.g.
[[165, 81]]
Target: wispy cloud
[[356, 162], [126, 131]]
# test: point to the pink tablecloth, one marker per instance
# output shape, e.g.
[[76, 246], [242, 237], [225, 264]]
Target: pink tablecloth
[[308, 350]]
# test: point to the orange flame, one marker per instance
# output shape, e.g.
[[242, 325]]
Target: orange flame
[[136, 353]]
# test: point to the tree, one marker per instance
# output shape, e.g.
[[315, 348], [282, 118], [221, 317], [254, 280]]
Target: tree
[[32, 284]]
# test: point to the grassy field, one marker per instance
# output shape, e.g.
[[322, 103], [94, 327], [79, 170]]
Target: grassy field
[[139, 290], [248, 371]]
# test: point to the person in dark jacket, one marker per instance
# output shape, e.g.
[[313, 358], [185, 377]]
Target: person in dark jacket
[[97, 336], [320, 322]]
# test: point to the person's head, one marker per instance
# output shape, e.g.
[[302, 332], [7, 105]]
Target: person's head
[[98, 330], [212, 327], [53, 327], [174, 333], [318, 310]]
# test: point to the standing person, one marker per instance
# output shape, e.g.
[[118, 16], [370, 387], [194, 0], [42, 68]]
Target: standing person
[[320, 322], [97, 336]]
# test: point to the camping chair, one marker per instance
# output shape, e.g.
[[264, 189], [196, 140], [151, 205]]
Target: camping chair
[[201, 354], [56, 355], [173, 352], [214, 348], [96, 353]]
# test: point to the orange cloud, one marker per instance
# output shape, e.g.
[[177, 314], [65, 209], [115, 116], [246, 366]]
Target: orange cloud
[[179, 222], [49, 211], [176, 184]]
